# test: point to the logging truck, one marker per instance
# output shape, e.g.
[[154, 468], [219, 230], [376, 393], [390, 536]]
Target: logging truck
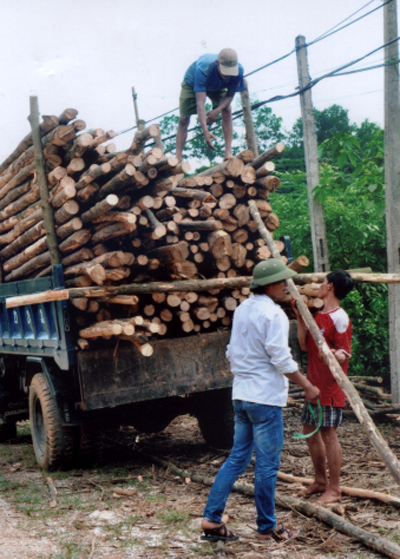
[[68, 395]]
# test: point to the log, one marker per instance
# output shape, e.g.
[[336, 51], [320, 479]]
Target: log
[[205, 197], [94, 270], [24, 240], [300, 263], [21, 225], [74, 224], [123, 178], [93, 173], [345, 384], [142, 136], [17, 179], [66, 211], [232, 168], [112, 231], [100, 208], [269, 154], [352, 491], [48, 124]]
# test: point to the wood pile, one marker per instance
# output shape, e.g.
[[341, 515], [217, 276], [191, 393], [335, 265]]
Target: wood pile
[[136, 216]]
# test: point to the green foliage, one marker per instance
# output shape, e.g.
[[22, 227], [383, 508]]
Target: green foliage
[[269, 128], [368, 309]]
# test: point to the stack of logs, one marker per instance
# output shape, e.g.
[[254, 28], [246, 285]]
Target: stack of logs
[[134, 216]]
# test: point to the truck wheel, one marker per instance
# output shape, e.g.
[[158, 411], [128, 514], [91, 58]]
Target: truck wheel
[[52, 442], [8, 431], [214, 414]]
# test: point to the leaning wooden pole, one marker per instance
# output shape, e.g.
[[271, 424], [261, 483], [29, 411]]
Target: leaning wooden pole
[[48, 217], [345, 384]]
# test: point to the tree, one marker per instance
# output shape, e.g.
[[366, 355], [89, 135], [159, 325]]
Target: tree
[[352, 191]]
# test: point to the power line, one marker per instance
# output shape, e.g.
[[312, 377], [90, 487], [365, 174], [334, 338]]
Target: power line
[[325, 35], [333, 30], [334, 73]]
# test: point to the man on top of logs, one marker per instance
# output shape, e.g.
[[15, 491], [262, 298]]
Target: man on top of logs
[[335, 325], [218, 77]]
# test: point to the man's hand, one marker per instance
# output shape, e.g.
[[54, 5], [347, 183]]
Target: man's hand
[[209, 137], [212, 116], [312, 393], [340, 355]]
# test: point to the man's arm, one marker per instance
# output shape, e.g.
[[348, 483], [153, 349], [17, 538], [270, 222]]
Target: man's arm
[[224, 103], [311, 392], [201, 113]]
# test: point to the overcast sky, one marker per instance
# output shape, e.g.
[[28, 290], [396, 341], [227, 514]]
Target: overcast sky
[[87, 54]]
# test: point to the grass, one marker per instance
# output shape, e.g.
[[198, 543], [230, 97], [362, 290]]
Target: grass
[[175, 516]]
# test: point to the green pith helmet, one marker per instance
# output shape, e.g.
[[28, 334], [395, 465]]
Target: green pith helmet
[[270, 271]]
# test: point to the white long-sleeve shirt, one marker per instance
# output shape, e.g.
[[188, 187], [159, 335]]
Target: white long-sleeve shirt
[[259, 352]]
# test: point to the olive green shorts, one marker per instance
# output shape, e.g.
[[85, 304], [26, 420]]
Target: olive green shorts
[[187, 99]]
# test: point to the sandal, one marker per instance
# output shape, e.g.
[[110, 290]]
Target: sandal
[[285, 534], [218, 534], [279, 534]]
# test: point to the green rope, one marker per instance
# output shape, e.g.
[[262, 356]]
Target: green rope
[[301, 435]]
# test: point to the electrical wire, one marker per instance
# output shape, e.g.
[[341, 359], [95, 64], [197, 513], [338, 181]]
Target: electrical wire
[[325, 35], [334, 73]]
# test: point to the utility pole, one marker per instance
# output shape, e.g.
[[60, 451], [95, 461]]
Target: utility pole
[[251, 139], [392, 187], [318, 231]]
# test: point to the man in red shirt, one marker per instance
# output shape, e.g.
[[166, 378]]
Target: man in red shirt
[[336, 328]]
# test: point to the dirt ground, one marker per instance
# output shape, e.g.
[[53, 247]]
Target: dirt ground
[[128, 507]]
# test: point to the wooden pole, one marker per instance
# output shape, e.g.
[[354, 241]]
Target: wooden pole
[[345, 384], [392, 187], [167, 287], [139, 123], [318, 230], [48, 217], [251, 139]]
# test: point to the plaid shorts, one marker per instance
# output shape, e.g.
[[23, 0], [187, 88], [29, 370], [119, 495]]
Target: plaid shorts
[[331, 417], [187, 99]]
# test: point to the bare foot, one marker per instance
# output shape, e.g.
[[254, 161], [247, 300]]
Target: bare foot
[[316, 487], [330, 496], [207, 525]]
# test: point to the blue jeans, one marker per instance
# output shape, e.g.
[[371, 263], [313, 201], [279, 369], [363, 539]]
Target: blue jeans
[[257, 427]]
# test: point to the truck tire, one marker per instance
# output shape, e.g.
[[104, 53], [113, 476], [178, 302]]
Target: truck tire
[[214, 414], [52, 442]]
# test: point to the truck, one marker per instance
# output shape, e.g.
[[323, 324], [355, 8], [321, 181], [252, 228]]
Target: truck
[[68, 395]]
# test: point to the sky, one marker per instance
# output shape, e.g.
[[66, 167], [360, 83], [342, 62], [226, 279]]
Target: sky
[[88, 54]]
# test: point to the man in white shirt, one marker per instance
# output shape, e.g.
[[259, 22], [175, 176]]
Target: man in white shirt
[[262, 363]]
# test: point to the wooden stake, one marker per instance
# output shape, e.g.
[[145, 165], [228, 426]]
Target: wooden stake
[[48, 216]]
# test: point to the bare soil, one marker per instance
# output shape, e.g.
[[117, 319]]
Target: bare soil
[[89, 516]]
